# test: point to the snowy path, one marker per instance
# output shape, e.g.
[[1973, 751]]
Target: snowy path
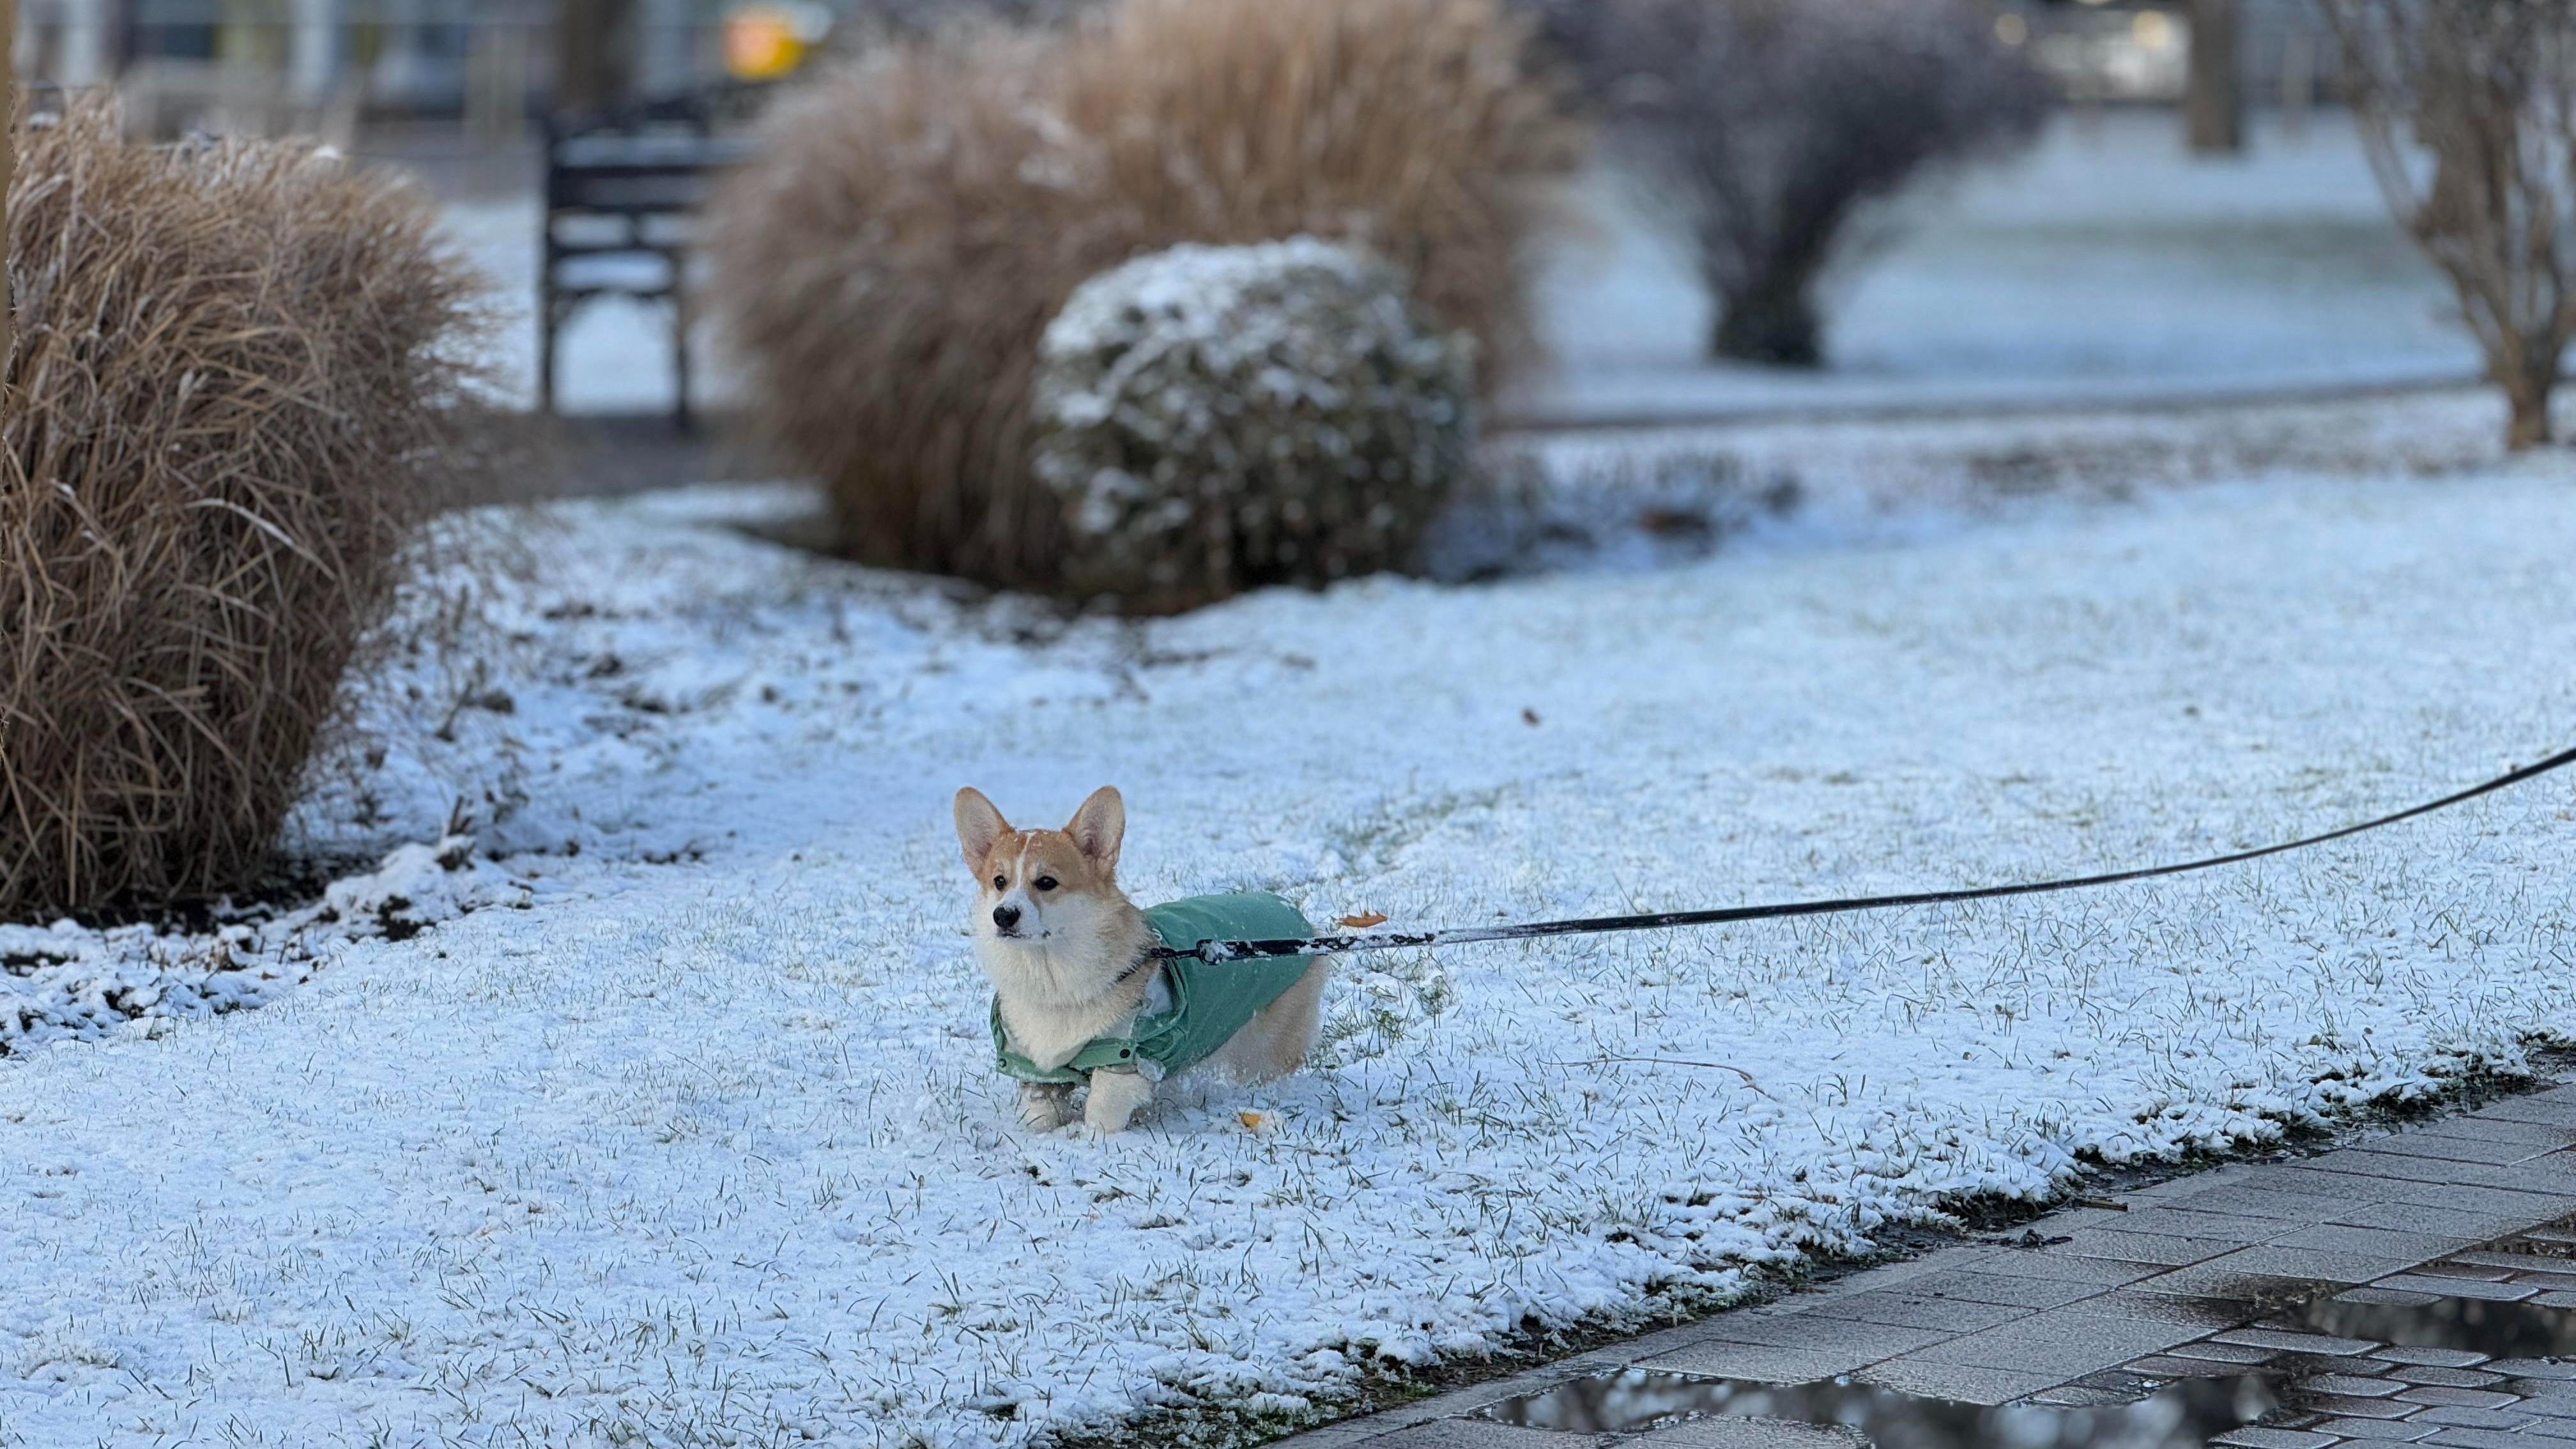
[[705, 1152]]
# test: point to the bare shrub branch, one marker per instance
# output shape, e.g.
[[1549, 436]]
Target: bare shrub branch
[[2469, 113]]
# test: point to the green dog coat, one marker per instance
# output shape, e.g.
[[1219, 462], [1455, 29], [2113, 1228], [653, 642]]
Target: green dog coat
[[1209, 1003]]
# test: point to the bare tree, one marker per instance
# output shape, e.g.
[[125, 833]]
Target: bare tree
[[2213, 100], [2469, 112], [594, 55], [1770, 126]]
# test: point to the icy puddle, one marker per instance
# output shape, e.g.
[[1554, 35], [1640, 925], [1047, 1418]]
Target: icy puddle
[[2182, 1415], [2509, 1331], [2338, 1357]]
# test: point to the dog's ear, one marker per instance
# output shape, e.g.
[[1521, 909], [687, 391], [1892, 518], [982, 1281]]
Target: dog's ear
[[1099, 826], [978, 825]]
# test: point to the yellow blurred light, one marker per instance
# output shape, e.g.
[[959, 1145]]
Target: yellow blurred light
[[2153, 29], [2011, 29], [762, 42]]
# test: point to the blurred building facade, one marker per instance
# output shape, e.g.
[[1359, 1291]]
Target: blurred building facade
[[429, 57], [2138, 50], [489, 61]]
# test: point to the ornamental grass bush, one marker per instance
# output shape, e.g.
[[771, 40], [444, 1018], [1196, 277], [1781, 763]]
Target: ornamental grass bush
[[1220, 418], [885, 269], [237, 382]]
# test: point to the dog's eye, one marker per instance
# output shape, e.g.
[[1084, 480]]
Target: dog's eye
[[1046, 882], [999, 882]]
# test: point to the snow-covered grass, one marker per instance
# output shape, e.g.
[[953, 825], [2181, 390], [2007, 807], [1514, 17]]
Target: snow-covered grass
[[64, 982], [701, 1146]]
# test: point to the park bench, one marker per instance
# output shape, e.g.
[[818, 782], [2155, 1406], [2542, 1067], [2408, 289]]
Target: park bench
[[622, 190]]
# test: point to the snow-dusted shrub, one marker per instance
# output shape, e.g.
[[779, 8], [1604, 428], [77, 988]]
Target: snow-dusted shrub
[[911, 224], [1220, 418]]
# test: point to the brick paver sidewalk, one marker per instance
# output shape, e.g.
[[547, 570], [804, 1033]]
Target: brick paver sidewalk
[[2133, 1299]]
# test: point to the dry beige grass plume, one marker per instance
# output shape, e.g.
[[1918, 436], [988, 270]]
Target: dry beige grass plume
[[884, 271], [237, 383]]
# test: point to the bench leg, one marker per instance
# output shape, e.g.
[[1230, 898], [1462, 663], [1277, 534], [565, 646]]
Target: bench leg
[[680, 412], [547, 320]]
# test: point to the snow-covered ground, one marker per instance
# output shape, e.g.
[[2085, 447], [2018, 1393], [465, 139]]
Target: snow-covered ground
[[615, 353], [2106, 265], [687, 1135]]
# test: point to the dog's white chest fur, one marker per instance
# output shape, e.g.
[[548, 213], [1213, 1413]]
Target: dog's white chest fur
[[1053, 1007]]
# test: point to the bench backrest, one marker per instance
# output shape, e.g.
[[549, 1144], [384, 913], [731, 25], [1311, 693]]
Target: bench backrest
[[653, 159]]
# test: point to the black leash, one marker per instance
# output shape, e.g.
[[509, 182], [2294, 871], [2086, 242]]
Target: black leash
[[1221, 951]]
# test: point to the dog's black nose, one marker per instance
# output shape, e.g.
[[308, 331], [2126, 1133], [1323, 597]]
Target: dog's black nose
[[1006, 916]]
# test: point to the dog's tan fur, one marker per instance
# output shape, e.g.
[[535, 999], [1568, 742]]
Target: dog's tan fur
[[1054, 931]]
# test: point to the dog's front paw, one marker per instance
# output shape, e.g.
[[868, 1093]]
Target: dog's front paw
[[1044, 1108], [1116, 1098]]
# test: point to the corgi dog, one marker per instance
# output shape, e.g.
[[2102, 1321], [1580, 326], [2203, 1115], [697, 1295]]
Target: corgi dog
[[1067, 954]]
